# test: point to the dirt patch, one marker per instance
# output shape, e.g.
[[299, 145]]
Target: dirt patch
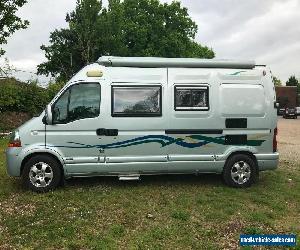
[[13, 207], [231, 232], [289, 140], [6, 247]]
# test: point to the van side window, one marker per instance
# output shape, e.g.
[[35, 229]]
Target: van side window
[[78, 102], [60, 108], [136, 101], [191, 98]]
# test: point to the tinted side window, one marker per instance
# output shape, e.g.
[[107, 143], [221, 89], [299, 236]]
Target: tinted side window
[[136, 101], [78, 102], [191, 98]]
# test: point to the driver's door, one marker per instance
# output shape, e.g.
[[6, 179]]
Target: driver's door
[[73, 132]]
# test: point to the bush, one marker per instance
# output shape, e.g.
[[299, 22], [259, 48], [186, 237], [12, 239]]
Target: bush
[[53, 89], [29, 98]]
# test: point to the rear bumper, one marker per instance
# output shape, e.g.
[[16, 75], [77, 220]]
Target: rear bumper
[[289, 115], [267, 161]]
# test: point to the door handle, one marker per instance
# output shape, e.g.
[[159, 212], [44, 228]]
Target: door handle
[[100, 131], [111, 132], [107, 132]]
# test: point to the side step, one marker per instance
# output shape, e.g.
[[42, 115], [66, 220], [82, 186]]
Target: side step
[[129, 177]]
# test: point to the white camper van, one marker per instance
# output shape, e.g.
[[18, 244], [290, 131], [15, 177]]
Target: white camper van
[[128, 117]]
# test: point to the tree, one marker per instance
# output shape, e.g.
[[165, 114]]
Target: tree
[[127, 28], [276, 81], [292, 81], [6, 69], [9, 22], [79, 44]]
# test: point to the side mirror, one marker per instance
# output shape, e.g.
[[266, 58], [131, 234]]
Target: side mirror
[[48, 115]]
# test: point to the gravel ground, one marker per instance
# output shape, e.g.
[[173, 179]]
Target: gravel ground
[[289, 140]]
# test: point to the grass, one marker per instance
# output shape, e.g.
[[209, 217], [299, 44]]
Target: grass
[[159, 212]]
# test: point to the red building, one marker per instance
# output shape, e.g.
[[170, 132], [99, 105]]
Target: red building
[[286, 96]]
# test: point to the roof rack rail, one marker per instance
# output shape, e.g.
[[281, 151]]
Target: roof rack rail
[[160, 62]]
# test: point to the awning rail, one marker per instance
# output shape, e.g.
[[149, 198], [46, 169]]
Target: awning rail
[[160, 62]]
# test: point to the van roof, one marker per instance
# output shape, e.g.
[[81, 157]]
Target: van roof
[[161, 62]]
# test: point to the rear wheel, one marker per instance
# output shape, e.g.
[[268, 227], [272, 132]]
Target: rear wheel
[[41, 173], [240, 171]]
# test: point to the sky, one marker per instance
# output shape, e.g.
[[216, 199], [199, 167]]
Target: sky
[[267, 31]]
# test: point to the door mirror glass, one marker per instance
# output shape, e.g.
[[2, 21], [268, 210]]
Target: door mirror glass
[[48, 115]]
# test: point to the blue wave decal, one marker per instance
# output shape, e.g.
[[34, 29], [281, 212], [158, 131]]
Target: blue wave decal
[[237, 73], [163, 140]]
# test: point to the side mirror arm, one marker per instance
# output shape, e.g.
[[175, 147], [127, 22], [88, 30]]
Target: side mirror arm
[[44, 120]]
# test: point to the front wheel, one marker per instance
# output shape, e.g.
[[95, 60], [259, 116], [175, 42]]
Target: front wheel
[[41, 173], [240, 170]]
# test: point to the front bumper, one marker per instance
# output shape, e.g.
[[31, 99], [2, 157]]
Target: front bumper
[[267, 161], [13, 161]]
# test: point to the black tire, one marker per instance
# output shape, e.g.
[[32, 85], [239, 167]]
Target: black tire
[[243, 179], [46, 166]]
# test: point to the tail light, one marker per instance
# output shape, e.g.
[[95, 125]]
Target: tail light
[[275, 140], [15, 140]]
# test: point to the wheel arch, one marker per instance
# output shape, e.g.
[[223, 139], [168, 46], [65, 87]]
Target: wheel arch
[[30, 155], [243, 152]]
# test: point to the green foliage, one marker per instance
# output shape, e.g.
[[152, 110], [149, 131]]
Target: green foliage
[[127, 28], [292, 81], [53, 89], [276, 81], [29, 98], [6, 69], [9, 22], [181, 215], [253, 230]]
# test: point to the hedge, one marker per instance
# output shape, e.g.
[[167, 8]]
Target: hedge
[[29, 98]]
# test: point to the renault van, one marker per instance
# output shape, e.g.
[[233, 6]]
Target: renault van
[[129, 117]]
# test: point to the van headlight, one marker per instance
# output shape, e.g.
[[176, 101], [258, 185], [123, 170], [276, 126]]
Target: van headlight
[[15, 140]]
